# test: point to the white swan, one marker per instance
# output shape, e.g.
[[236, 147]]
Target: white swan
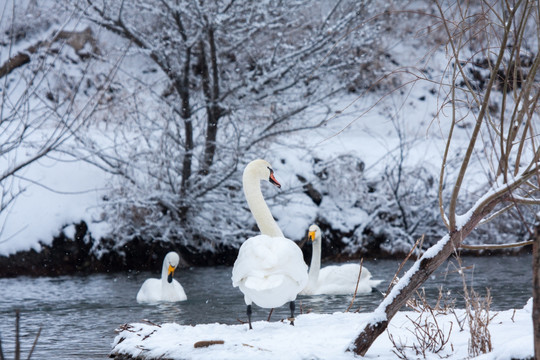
[[166, 288], [270, 269], [334, 279]]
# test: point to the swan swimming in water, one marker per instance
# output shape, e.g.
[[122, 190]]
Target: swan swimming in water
[[270, 269], [334, 279], [166, 288]]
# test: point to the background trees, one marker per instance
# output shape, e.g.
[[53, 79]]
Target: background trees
[[172, 98]]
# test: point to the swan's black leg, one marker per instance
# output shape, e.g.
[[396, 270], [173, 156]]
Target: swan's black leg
[[248, 311], [292, 306]]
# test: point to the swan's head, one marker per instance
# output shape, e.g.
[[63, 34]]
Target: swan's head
[[314, 233], [171, 262], [261, 170]]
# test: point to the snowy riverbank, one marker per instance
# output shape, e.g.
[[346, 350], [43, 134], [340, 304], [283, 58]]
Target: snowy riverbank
[[317, 336]]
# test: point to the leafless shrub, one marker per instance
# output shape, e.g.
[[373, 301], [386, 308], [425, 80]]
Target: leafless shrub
[[443, 306], [431, 337], [479, 318]]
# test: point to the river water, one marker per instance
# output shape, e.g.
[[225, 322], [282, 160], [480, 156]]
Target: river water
[[79, 314]]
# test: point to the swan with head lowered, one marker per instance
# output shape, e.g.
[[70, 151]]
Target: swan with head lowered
[[165, 289], [334, 279], [270, 270]]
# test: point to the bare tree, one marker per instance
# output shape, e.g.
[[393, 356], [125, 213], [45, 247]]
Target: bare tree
[[493, 81]]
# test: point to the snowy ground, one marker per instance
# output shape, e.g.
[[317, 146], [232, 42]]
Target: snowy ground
[[317, 336], [58, 193]]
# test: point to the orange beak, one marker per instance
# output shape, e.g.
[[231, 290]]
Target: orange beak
[[171, 274], [273, 180]]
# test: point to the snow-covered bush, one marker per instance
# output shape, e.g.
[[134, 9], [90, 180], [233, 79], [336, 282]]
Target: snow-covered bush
[[207, 87]]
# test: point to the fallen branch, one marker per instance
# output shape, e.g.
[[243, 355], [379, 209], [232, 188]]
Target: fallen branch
[[76, 39], [207, 343]]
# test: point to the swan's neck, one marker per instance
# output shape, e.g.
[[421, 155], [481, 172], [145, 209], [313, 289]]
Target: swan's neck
[[315, 266], [164, 274], [265, 221]]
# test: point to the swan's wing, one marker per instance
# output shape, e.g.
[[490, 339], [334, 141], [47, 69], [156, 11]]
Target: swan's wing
[[150, 291], [264, 282], [342, 279], [179, 291], [263, 257], [269, 271]]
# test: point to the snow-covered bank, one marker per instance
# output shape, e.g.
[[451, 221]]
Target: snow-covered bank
[[320, 336], [58, 193]]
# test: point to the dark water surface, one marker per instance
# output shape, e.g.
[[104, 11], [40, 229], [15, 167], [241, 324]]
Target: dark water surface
[[78, 315]]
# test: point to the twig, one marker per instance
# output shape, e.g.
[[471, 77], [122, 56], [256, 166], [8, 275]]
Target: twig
[[269, 315], [399, 350], [34, 344], [496, 246], [357, 282], [17, 340], [420, 240], [429, 335], [1, 352], [150, 322]]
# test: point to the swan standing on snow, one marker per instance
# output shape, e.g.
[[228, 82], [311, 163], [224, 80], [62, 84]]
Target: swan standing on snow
[[270, 269], [166, 288], [334, 279]]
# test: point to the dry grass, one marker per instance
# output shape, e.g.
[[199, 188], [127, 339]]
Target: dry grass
[[477, 310], [431, 338], [479, 318]]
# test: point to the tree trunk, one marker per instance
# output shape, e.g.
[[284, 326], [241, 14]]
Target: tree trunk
[[182, 87], [417, 275], [211, 94], [536, 291]]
